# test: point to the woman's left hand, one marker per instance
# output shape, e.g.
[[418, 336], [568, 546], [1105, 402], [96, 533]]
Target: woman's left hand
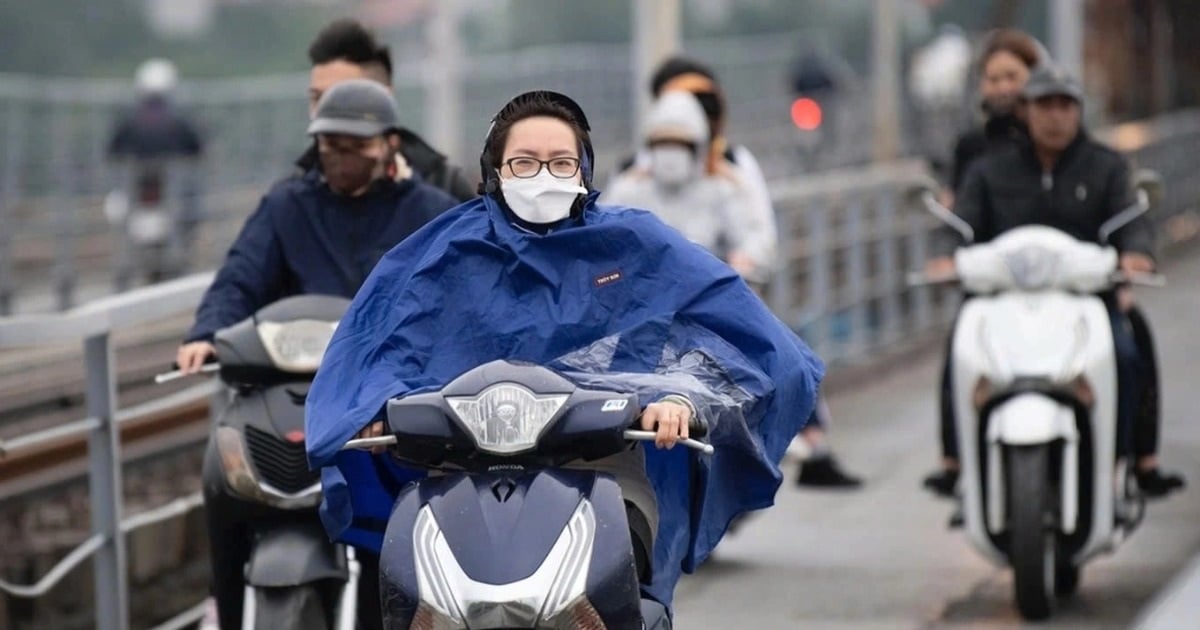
[[669, 420]]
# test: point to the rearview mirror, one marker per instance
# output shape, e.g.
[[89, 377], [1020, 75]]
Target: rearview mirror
[[924, 195], [1148, 185], [1151, 182]]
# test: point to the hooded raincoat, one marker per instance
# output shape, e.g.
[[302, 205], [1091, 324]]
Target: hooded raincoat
[[611, 297]]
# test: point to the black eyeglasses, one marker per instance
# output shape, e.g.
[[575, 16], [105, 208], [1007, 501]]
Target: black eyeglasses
[[527, 167]]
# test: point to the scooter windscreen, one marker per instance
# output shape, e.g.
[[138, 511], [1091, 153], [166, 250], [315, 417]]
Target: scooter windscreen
[[281, 341]]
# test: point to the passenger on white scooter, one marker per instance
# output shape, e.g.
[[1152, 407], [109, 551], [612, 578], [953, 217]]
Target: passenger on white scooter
[[1007, 59], [1066, 180]]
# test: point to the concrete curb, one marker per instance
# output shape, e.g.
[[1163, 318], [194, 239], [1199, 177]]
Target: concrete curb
[[1177, 605]]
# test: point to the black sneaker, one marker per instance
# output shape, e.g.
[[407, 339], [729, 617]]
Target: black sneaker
[[823, 471], [1154, 484], [942, 483]]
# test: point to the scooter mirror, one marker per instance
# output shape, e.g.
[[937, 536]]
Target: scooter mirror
[[1148, 185], [1151, 182], [924, 196]]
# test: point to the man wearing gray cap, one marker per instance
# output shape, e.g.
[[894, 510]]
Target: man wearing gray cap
[[1066, 180], [319, 233], [344, 50]]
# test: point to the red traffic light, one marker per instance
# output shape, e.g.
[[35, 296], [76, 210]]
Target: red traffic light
[[806, 114]]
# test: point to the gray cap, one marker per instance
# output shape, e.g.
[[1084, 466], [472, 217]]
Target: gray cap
[[356, 107], [1050, 80]]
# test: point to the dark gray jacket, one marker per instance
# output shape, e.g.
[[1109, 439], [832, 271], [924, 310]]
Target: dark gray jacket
[[1008, 189]]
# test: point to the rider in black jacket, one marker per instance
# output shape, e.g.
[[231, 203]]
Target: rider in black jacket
[[1066, 180]]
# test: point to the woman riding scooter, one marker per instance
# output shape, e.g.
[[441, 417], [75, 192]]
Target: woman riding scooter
[[534, 271]]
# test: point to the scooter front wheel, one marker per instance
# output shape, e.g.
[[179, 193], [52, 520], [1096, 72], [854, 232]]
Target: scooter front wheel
[[1032, 540], [290, 607]]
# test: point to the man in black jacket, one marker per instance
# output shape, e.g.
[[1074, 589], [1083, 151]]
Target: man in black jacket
[[1066, 180], [346, 50]]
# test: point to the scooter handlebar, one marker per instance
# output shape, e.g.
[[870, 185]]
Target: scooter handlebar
[[366, 444], [921, 279], [634, 435], [175, 375], [1156, 280]]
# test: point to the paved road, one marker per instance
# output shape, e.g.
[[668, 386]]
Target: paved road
[[884, 558]]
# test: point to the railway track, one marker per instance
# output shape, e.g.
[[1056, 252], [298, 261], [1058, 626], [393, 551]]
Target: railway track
[[43, 388]]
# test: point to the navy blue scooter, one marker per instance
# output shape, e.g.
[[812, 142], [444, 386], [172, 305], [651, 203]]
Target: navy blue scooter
[[500, 535]]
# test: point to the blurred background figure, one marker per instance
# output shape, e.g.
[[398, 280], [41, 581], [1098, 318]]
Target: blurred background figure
[[709, 209], [154, 207], [751, 223], [938, 77], [1006, 59], [728, 161]]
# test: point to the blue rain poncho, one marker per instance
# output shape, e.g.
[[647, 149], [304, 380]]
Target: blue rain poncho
[[613, 298]]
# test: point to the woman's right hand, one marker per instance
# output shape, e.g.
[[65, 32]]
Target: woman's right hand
[[191, 356]]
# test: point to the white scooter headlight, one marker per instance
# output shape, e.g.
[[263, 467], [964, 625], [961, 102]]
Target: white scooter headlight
[[506, 418], [296, 346], [1033, 268]]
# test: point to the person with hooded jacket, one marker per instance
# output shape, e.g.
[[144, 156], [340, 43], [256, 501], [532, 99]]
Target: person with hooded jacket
[[321, 233], [756, 218], [543, 273], [674, 185]]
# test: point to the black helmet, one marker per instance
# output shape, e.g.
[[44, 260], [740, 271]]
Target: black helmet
[[487, 172]]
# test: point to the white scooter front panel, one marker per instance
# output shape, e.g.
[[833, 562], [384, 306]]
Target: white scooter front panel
[[1050, 335], [1036, 258]]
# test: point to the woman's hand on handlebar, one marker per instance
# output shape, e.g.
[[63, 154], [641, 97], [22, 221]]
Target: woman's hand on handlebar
[[191, 356], [669, 419], [373, 430]]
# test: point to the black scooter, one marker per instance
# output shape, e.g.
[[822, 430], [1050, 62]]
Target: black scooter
[[295, 577]]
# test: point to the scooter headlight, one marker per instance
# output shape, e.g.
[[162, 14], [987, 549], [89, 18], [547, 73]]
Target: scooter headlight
[[1033, 268], [506, 418], [296, 346]]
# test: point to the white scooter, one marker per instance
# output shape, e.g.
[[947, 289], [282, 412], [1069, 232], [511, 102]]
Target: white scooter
[[1035, 400]]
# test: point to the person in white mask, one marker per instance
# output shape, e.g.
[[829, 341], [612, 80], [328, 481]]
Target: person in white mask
[[536, 270], [709, 210], [719, 210]]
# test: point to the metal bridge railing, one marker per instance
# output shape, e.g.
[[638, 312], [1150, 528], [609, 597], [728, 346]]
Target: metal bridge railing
[[847, 239], [92, 325]]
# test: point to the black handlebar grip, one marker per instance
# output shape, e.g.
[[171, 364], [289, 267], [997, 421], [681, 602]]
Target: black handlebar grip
[[697, 428]]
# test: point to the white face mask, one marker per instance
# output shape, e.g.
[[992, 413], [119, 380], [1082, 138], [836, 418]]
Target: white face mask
[[672, 165], [541, 199]]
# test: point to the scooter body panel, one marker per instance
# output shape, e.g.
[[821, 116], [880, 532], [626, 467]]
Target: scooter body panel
[[510, 548], [1018, 358]]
